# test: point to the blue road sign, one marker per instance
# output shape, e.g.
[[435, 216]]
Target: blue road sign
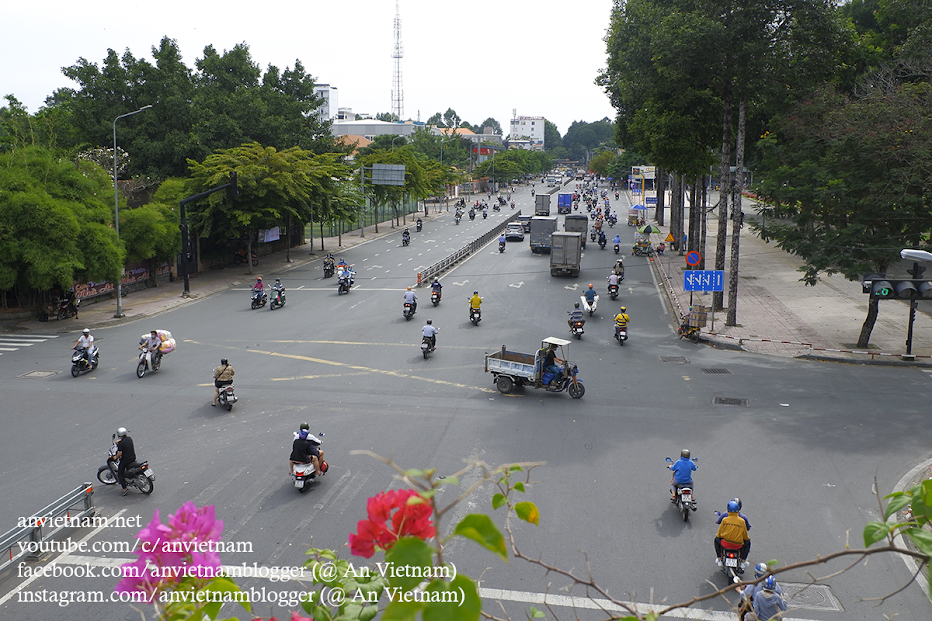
[[651, 200], [704, 280]]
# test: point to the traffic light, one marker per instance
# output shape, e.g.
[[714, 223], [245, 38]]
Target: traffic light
[[883, 288]]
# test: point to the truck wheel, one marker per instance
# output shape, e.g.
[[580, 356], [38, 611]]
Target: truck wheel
[[577, 390], [504, 384], [554, 272]]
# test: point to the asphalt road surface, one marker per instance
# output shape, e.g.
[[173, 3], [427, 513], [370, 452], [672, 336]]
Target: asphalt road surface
[[802, 449]]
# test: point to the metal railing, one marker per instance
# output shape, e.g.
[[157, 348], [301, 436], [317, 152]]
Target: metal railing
[[45, 524], [427, 274]]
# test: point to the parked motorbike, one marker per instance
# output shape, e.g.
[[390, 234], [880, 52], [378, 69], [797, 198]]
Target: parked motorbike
[[576, 328], [613, 292], [259, 298], [617, 248], [427, 347], [408, 312], [227, 398], [303, 474], [587, 307], [278, 299], [344, 285], [68, 308], [79, 365], [501, 246], [148, 361], [475, 315], [621, 334], [240, 257], [138, 474], [435, 297]]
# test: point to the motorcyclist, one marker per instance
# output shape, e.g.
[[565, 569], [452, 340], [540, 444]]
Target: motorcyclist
[[278, 286], [223, 376], [551, 362], [590, 296], [475, 301], [406, 236], [721, 515], [733, 532], [328, 263], [85, 343], [151, 346], [683, 467], [419, 224], [617, 240], [259, 286], [602, 239], [619, 267], [411, 298], [305, 450], [768, 602], [750, 591], [436, 286], [126, 454], [501, 238], [430, 333], [575, 315], [612, 279]]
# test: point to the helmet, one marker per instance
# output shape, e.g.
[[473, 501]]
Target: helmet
[[409, 288], [429, 322], [684, 452], [278, 280], [258, 278], [121, 431], [625, 310], [761, 569], [224, 361], [732, 506], [737, 500], [769, 583], [86, 331], [304, 426], [475, 293], [576, 305], [324, 466], [590, 285]]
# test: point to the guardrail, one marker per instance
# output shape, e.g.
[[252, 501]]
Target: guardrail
[[428, 274], [45, 524]]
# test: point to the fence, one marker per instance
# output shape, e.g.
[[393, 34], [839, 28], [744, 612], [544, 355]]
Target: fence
[[45, 524], [369, 217], [428, 274]]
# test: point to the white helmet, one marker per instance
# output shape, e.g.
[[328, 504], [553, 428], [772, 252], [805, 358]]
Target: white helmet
[[87, 331], [121, 431]]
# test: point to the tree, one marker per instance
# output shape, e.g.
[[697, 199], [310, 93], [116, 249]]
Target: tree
[[451, 118], [436, 120], [419, 183], [490, 122], [389, 117], [599, 163], [552, 139]]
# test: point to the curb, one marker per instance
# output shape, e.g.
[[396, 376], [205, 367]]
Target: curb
[[911, 478]]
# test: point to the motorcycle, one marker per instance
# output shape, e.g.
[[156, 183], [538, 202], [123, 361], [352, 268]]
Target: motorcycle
[[148, 361], [617, 248], [496, 207], [328, 268], [240, 257], [426, 347], [621, 334], [501, 246], [616, 196], [278, 299], [138, 474], [259, 298], [592, 237], [602, 243], [408, 312], [613, 292], [576, 328], [587, 307], [227, 398], [472, 215], [512, 204], [303, 474], [68, 308], [79, 365], [435, 297], [475, 315], [485, 214], [684, 499], [344, 285], [687, 331], [456, 219], [405, 240], [419, 226]]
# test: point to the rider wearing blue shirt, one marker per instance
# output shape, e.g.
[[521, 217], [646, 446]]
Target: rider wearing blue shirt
[[682, 473], [590, 295], [617, 240]]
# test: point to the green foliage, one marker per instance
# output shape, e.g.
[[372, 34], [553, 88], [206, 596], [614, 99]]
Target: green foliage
[[552, 139], [582, 136], [480, 528]]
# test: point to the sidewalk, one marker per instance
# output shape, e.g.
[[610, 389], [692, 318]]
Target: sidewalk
[[777, 314], [154, 300]]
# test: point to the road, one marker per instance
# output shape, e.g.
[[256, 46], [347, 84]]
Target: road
[[802, 453]]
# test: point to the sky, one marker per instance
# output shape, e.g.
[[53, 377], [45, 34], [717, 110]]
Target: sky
[[483, 58]]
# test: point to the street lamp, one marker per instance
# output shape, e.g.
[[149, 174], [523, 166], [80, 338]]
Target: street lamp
[[116, 206], [393, 141]]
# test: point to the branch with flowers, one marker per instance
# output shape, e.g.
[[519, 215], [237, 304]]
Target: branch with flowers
[[182, 578]]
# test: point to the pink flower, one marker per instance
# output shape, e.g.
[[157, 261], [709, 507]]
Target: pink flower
[[408, 519]]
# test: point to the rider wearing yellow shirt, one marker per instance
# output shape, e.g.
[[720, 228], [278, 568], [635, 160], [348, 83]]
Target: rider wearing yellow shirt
[[475, 300], [621, 320]]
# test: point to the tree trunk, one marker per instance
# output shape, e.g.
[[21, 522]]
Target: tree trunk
[[321, 236], [249, 253], [868, 326], [704, 220], [661, 181], [288, 241], [736, 217], [695, 215], [680, 218], [724, 176]]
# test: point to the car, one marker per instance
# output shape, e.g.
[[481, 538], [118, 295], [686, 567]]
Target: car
[[525, 221], [514, 230]]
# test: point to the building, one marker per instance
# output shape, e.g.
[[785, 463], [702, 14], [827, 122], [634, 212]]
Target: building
[[370, 128], [527, 132], [331, 102]]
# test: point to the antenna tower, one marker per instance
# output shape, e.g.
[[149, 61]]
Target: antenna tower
[[398, 97]]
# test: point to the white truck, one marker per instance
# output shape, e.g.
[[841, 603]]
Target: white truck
[[565, 253]]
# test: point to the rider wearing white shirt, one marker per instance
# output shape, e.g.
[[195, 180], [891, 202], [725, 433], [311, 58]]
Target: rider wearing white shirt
[[86, 343], [430, 332]]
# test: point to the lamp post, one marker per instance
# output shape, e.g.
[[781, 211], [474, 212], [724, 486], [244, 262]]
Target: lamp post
[[116, 205], [393, 141]]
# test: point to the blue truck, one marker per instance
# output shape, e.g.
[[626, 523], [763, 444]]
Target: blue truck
[[564, 202]]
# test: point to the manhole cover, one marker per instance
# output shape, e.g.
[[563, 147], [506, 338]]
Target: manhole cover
[[729, 401], [39, 374], [811, 596], [680, 359], [716, 371]]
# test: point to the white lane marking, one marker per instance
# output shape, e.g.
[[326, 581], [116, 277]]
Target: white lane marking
[[37, 336], [349, 491], [517, 286], [9, 348], [19, 343]]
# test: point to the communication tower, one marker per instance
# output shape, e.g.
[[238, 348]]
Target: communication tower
[[398, 97]]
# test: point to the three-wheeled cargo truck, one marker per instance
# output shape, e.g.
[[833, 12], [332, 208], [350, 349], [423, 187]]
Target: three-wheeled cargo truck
[[511, 368]]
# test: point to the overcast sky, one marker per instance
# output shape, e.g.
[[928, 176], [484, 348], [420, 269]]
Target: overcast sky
[[483, 58]]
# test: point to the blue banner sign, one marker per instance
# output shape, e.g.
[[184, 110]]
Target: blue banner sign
[[703, 280]]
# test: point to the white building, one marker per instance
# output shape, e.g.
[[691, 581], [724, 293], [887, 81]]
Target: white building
[[530, 129], [331, 101]]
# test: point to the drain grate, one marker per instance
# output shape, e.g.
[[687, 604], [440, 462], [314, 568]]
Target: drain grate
[[811, 596], [729, 401], [38, 374], [716, 371], [680, 359]]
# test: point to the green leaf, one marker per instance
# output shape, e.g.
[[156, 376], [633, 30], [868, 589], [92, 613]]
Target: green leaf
[[408, 555], [874, 532], [898, 501], [922, 539], [401, 611], [537, 614], [479, 528], [515, 468], [456, 600], [519, 486], [498, 500], [528, 512], [449, 481], [414, 473], [368, 613]]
